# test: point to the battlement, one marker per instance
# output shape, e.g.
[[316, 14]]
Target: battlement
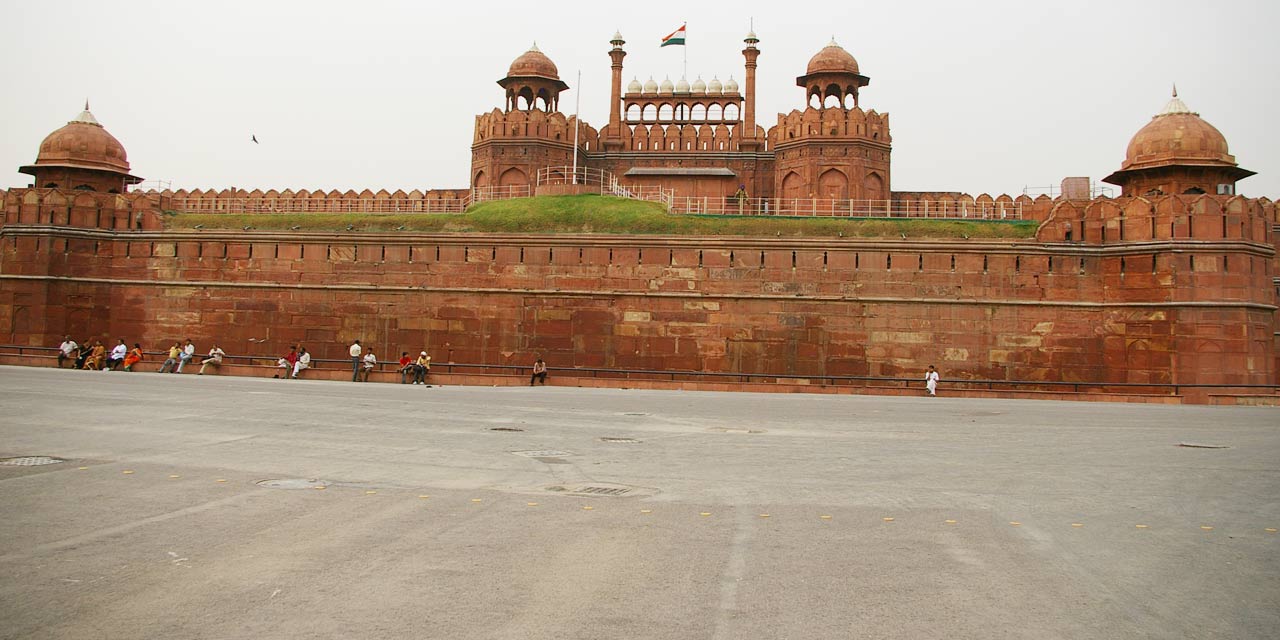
[[831, 123]]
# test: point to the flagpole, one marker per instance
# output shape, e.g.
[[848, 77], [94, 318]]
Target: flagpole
[[577, 104]]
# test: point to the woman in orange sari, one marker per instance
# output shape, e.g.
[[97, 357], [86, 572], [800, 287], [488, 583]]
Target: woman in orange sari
[[135, 356], [96, 356]]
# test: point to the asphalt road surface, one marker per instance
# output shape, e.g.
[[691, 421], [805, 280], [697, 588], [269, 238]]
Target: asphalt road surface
[[192, 507]]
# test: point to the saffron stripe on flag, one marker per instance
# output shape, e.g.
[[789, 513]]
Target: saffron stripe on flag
[[675, 37]]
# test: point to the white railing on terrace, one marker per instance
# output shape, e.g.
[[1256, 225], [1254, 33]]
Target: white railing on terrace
[[604, 183], [327, 205], [815, 207], [507, 192]]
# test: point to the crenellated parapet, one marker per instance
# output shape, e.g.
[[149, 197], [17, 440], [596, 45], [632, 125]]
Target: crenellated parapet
[[1107, 221], [870, 126], [554, 126], [319, 200], [85, 209]]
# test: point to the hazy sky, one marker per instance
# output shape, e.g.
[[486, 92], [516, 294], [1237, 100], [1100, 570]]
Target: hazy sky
[[982, 96]]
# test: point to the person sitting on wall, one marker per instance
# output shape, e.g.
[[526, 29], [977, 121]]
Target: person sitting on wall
[[97, 356], [134, 357], [172, 361], [421, 368], [406, 367], [304, 362], [287, 361], [118, 353], [539, 372], [214, 358], [367, 365], [67, 351], [82, 354], [188, 352]]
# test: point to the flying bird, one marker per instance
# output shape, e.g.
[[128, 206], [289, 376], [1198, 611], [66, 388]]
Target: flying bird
[[254, 138], [246, 228], [199, 226], [295, 227]]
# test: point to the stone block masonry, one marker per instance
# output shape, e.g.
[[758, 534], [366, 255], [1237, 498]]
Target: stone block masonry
[[1180, 310]]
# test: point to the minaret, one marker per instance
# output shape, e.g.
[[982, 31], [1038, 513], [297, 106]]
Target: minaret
[[613, 137], [749, 141]]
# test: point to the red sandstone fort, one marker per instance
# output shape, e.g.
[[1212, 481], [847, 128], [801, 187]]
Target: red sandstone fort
[[1173, 282]]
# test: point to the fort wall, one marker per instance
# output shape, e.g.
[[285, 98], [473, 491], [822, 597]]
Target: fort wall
[[1173, 290]]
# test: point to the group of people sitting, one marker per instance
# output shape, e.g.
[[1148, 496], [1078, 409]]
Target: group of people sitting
[[94, 357], [293, 363]]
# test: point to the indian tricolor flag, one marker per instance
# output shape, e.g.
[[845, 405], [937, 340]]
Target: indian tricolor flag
[[676, 37]]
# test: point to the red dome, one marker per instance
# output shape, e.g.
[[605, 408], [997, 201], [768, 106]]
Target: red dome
[[1177, 136], [832, 59], [83, 144], [534, 63]]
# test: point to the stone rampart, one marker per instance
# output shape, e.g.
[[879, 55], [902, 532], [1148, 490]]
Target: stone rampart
[[1196, 304]]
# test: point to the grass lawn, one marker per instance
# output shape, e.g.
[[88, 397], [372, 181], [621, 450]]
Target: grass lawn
[[606, 215]]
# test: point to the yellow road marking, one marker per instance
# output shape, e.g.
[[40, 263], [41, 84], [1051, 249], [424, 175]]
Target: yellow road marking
[[369, 493], [1269, 530], [705, 513], [1206, 527], [1015, 524], [83, 468], [1076, 524], [764, 515], [318, 487], [825, 517], [126, 472], [220, 480], [646, 511], [888, 519], [531, 504], [587, 508], [1140, 526], [476, 499], [950, 521]]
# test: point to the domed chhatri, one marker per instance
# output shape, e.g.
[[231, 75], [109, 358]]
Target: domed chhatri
[[833, 73], [832, 59], [1178, 152], [533, 82], [82, 155]]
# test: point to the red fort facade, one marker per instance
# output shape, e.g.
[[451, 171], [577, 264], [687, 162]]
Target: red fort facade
[[697, 140], [1173, 282]]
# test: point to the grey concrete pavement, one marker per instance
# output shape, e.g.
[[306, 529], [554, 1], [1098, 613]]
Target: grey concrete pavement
[[742, 515]]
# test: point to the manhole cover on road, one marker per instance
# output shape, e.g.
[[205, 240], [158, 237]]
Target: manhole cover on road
[[542, 453], [592, 490], [601, 491], [620, 440], [505, 429], [30, 461], [292, 483]]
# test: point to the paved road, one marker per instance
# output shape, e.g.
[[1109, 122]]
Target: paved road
[[741, 515]]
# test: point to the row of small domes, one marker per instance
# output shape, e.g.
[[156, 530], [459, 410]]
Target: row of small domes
[[667, 88]]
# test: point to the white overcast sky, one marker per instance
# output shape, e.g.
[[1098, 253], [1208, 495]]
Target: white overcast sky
[[983, 96]]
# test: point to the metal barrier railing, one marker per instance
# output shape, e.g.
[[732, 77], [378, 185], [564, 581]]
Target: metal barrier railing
[[842, 208], [317, 205], [156, 357]]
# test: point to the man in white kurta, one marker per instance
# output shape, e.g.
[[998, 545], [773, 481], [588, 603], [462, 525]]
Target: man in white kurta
[[931, 380]]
